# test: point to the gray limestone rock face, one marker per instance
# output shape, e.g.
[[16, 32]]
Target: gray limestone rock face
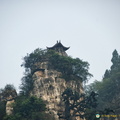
[[49, 86]]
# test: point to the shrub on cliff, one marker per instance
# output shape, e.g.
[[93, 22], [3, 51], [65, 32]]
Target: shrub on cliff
[[28, 108]]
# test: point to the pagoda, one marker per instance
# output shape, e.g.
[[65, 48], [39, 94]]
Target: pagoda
[[59, 48]]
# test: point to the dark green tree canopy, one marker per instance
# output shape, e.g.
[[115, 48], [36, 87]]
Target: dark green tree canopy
[[115, 61], [2, 109]]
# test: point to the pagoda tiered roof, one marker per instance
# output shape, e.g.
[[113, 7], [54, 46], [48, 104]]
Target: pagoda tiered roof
[[58, 45]]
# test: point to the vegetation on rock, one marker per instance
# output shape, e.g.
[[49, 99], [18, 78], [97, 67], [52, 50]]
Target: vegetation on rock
[[71, 69], [7, 92], [28, 108]]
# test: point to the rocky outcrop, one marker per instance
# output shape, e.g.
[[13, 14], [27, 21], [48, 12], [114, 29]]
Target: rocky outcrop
[[8, 94], [9, 108], [49, 86]]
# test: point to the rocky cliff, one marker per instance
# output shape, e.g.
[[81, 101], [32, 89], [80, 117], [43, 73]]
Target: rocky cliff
[[49, 85]]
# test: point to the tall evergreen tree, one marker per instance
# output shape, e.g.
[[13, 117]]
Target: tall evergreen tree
[[108, 89], [115, 61]]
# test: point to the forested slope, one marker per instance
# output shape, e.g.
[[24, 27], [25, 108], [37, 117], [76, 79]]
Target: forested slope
[[109, 88]]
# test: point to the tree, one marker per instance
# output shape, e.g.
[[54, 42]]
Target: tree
[[28, 108], [107, 74], [78, 105], [27, 84], [2, 109], [108, 89], [30, 60], [115, 60], [71, 69], [6, 94], [9, 90]]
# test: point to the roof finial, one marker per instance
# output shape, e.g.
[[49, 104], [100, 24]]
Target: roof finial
[[59, 41]]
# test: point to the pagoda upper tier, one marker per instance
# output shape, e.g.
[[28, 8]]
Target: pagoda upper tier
[[59, 48]]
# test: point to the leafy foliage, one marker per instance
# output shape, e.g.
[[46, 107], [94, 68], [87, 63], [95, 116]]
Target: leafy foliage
[[9, 90], [2, 109], [38, 55], [27, 84], [28, 108], [71, 69], [7, 93]]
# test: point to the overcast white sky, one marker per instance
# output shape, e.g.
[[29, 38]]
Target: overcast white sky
[[90, 27]]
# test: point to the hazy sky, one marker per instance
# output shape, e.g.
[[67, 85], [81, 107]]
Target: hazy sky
[[90, 27]]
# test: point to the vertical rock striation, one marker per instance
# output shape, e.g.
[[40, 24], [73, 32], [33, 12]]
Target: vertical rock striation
[[49, 85]]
